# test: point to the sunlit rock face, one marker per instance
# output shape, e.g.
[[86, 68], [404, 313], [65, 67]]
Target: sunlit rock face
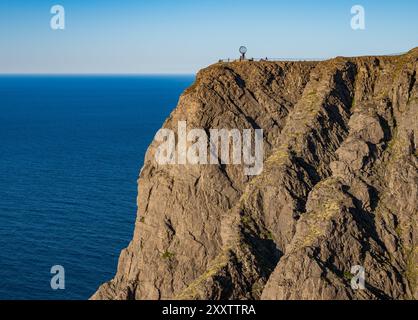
[[339, 188]]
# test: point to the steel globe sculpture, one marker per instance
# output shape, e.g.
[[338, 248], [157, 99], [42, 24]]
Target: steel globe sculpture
[[243, 51]]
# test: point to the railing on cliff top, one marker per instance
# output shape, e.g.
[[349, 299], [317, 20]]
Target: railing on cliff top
[[274, 59], [298, 59]]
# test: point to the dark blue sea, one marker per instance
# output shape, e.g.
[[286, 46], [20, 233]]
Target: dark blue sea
[[71, 148]]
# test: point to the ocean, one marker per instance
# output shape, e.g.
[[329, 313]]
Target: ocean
[[71, 148]]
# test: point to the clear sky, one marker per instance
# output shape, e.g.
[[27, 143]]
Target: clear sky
[[182, 36]]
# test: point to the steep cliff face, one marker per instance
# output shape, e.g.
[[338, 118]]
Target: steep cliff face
[[339, 188]]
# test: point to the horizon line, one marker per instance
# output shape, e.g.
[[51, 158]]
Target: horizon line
[[192, 73]]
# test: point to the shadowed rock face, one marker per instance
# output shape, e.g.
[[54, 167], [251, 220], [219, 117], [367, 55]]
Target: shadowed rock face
[[339, 188]]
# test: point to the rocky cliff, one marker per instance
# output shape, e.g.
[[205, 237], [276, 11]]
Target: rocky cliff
[[339, 188]]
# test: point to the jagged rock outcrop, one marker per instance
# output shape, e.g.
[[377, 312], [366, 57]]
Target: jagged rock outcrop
[[339, 188]]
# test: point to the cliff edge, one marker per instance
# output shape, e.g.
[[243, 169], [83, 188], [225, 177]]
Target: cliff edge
[[339, 188]]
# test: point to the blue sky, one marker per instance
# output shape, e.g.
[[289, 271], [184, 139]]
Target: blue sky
[[182, 36]]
